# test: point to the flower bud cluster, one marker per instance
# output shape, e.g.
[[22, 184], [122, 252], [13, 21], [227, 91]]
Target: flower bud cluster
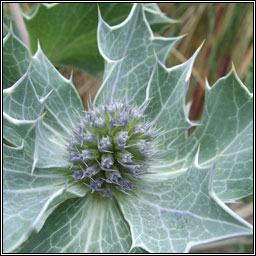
[[110, 148]]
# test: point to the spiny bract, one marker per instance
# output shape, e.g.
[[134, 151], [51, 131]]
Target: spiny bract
[[111, 147]]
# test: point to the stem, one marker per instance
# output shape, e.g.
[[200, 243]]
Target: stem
[[17, 16]]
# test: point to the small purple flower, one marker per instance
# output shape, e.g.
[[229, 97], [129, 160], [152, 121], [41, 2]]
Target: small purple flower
[[123, 118], [104, 145], [89, 137], [91, 115], [96, 183], [114, 176], [100, 123], [125, 156], [78, 175], [107, 160], [87, 154], [92, 170], [122, 138]]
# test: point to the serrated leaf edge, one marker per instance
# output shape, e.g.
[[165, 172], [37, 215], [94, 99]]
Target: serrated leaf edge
[[11, 33], [230, 73], [122, 24]]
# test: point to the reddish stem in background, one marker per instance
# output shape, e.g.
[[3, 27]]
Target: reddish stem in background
[[217, 19], [225, 66], [199, 92]]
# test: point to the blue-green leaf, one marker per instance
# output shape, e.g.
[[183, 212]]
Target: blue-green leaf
[[27, 199], [173, 215], [91, 224], [39, 110], [15, 59], [42, 91], [129, 53], [226, 132]]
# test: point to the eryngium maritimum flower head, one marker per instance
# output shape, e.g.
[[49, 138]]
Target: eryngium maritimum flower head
[[110, 148]]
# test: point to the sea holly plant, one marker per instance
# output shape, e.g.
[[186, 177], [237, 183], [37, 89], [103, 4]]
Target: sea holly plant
[[122, 176]]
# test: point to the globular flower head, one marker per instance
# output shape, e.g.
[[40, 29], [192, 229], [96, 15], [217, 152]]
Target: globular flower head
[[110, 148]]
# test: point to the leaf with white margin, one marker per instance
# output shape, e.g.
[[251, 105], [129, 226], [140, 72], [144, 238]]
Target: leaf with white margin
[[166, 92], [16, 59], [128, 51], [28, 200], [43, 88], [37, 135], [22, 107], [20, 101], [38, 141], [224, 131], [156, 18], [90, 224], [19, 133], [64, 104], [173, 215]]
